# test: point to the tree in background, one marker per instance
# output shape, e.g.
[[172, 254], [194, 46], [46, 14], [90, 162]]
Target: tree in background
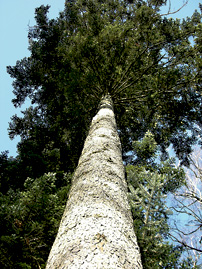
[[149, 182], [29, 220], [148, 187], [187, 203], [122, 48]]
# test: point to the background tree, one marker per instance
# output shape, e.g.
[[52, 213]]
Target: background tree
[[29, 220], [187, 205], [150, 182]]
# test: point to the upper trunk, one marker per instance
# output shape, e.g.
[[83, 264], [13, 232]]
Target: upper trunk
[[96, 230]]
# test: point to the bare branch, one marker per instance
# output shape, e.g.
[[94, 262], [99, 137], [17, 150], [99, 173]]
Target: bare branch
[[184, 244], [170, 13], [188, 233], [189, 201]]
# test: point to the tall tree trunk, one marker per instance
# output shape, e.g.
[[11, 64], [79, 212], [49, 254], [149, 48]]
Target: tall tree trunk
[[96, 230]]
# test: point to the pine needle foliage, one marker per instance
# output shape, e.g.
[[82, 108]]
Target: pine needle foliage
[[30, 220], [149, 183], [145, 61]]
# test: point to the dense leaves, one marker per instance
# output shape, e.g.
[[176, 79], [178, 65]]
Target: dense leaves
[[150, 217], [146, 62], [29, 221], [149, 181]]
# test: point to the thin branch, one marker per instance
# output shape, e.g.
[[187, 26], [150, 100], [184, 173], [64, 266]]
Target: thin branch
[[169, 13], [189, 233], [184, 244], [187, 210], [94, 93], [118, 89], [116, 86], [191, 196], [124, 100], [135, 81]]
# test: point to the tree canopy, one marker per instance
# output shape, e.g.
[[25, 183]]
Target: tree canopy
[[145, 61]]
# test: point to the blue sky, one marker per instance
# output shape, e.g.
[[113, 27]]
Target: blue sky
[[15, 16]]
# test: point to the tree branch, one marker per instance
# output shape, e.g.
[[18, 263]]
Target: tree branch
[[184, 244], [170, 13], [117, 84]]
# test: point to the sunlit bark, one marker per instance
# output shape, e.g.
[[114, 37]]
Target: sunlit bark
[[96, 230]]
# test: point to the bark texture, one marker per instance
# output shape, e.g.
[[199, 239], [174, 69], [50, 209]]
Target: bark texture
[[96, 230]]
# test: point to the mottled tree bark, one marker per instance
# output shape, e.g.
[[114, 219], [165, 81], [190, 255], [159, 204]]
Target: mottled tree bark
[[96, 230]]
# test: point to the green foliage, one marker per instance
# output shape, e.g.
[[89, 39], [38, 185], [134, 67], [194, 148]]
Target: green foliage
[[29, 221], [11, 175], [148, 201], [149, 183], [146, 62], [146, 149]]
